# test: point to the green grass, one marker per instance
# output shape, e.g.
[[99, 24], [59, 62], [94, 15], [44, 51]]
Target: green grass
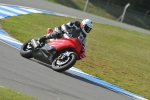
[[116, 55], [100, 8], [79, 5], [9, 94]]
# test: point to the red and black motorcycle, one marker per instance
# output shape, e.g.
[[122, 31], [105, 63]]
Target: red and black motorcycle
[[61, 53]]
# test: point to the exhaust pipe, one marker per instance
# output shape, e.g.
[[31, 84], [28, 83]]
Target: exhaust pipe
[[34, 43]]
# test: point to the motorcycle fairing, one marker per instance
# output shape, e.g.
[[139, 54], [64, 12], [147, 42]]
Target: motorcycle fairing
[[43, 54], [64, 43]]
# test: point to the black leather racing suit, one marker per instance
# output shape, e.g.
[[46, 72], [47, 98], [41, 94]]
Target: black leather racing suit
[[67, 28]]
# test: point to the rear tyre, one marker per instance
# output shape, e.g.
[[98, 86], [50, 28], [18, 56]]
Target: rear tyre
[[26, 50], [64, 64]]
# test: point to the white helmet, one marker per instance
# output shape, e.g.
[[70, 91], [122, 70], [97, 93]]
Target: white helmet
[[86, 25]]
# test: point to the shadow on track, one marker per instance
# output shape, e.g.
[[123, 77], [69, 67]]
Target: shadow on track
[[78, 77]]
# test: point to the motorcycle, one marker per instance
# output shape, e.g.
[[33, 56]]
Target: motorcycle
[[61, 53]]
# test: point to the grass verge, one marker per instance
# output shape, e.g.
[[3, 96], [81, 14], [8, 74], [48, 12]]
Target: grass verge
[[9, 94], [108, 10], [116, 55]]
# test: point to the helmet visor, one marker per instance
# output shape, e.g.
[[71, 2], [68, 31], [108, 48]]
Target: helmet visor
[[87, 28]]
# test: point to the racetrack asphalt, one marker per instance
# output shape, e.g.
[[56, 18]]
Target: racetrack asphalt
[[39, 80], [36, 79]]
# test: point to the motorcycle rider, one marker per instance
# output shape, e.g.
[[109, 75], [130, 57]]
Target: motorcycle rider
[[82, 28]]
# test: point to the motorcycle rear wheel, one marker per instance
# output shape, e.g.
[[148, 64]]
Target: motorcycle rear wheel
[[24, 51], [64, 66]]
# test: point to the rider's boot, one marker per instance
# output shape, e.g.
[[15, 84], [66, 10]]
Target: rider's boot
[[49, 31], [42, 39]]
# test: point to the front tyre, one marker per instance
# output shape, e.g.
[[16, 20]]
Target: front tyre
[[26, 50], [64, 62]]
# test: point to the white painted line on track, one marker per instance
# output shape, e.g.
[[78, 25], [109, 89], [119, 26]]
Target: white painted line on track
[[12, 9], [8, 13], [32, 10]]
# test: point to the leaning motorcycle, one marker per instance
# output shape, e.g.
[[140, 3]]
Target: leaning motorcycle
[[61, 53]]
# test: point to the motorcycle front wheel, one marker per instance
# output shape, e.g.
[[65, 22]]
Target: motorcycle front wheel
[[26, 50], [60, 64]]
